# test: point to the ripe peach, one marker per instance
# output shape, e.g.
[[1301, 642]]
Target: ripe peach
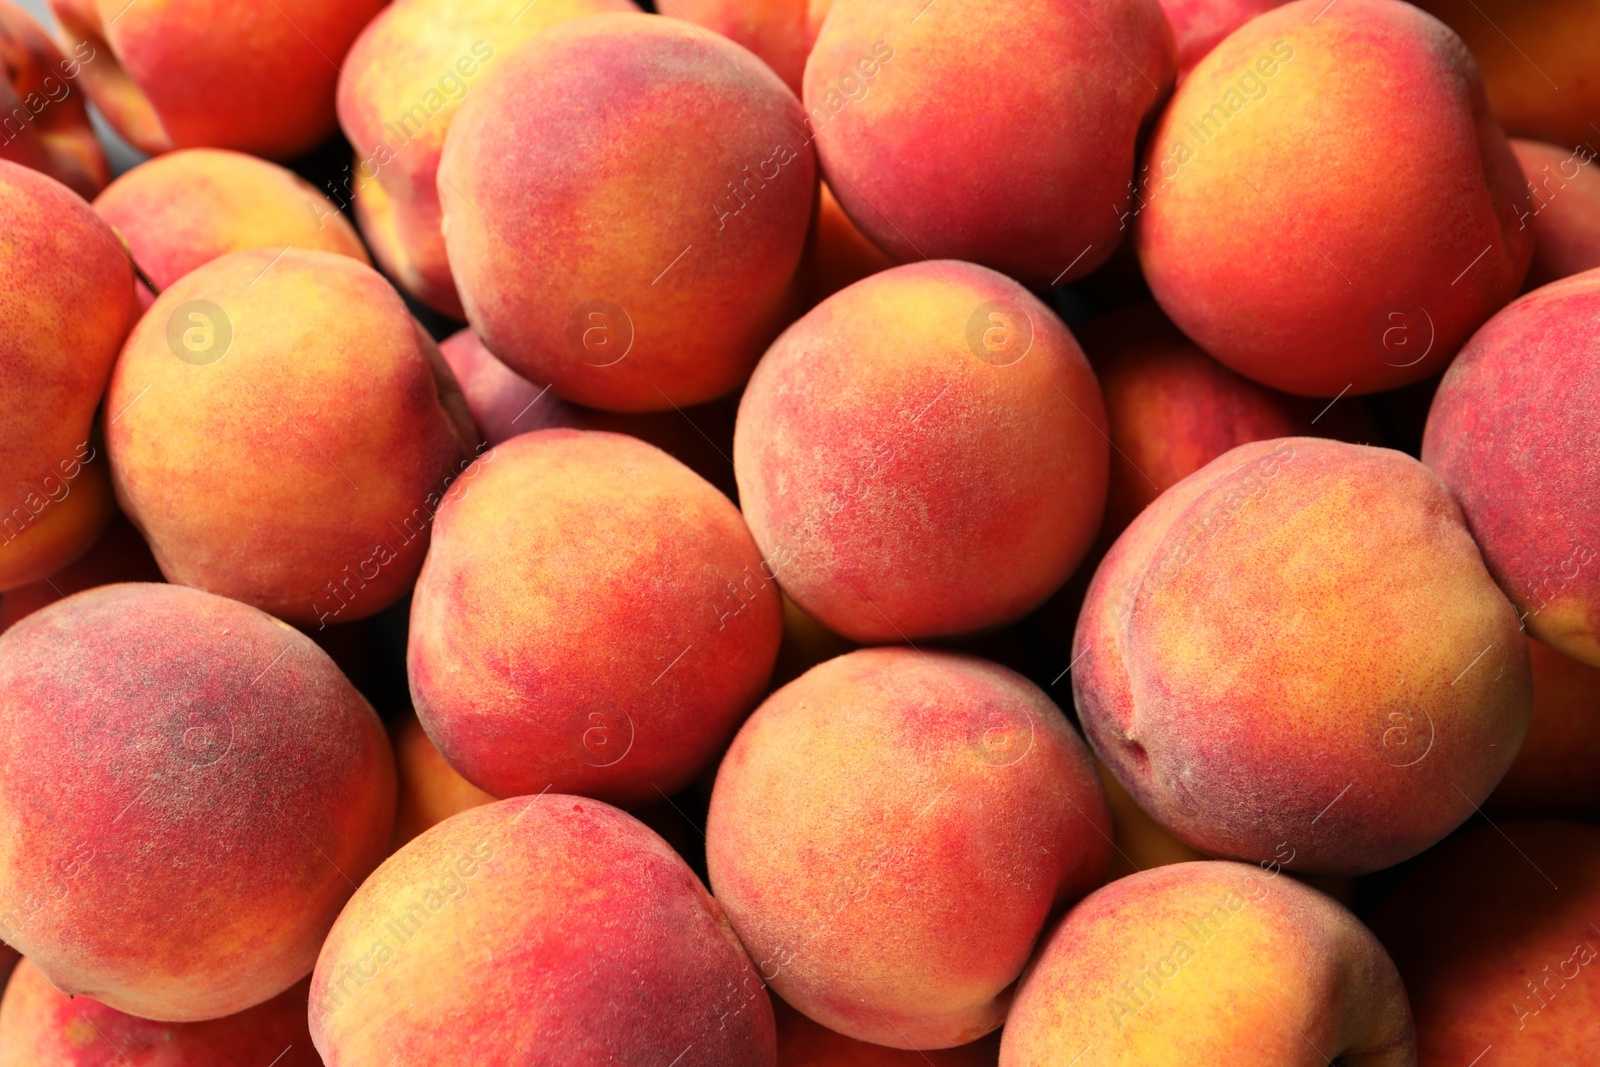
[[1138, 841], [1261, 663], [1311, 243], [41, 1025], [923, 454], [780, 32], [1509, 433], [803, 1043], [404, 79], [182, 210], [940, 146], [1200, 25], [254, 75], [430, 790], [190, 792], [889, 834], [540, 930], [562, 535], [644, 255], [1210, 963], [66, 302], [119, 556], [1557, 771], [1564, 209], [1494, 933], [42, 124], [281, 430]]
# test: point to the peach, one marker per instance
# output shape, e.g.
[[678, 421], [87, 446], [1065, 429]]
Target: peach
[[182, 210], [780, 32], [41, 1025], [66, 303], [1557, 771], [404, 80], [940, 145], [803, 1043], [430, 790], [806, 643], [889, 834], [1262, 665], [840, 254], [42, 124], [189, 792], [1138, 841], [1172, 409], [1200, 25], [537, 931], [1510, 433], [626, 202], [1210, 963], [1311, 242], [560, 536], [281, 431], [253, 75], [1538, 62], [1494, 934], [1564, 212], [923, 454], [119, 556]]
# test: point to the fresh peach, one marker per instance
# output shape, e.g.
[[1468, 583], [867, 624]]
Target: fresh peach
[[539, 930], [1210, 963], [889, 834], [182, 210], [923, 454], [404, 79], [41, 1025], [839, 254], [189, 792], [1557, 771], [1494, 933], [561, 535], [119, 556], [43, 124], [430, 790], [780, 32], [1138, 841], [281, 431], [626, 202], [1510, 433], [1200, 25], [1538, 62], [66, 303], [1311, 242], [803, 1043], [1564, 209], [254, 75], [941, 145], [1263, 665]]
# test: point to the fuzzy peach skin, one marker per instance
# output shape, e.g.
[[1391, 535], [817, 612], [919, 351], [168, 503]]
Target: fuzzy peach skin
[[120, 555], [803, 1043], [1563, 209], [537, 932], [189, 792], [1557, 771], [923, 454], [1538, 62], [1494, 933], [1210, 963], [1261, 663], [593, 618], [43, 123], [292, 457], [940, 144], [780, 32], [253, 75], [889, 833], [1200, 25], [430, 790], [403, 81], [1308, 237], [184, 209], [1172, 409], [1509, 432], [626, 202], [66, 303], [40, 1025]]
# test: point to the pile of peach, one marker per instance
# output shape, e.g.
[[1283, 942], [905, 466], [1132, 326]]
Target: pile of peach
[[1049, 533]]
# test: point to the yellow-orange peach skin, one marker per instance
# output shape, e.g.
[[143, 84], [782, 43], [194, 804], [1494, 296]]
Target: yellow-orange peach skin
[[1260, 663], [889, 834], [430, 790], [44, 124], [537, 932], [189, 792], [282, 430]]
